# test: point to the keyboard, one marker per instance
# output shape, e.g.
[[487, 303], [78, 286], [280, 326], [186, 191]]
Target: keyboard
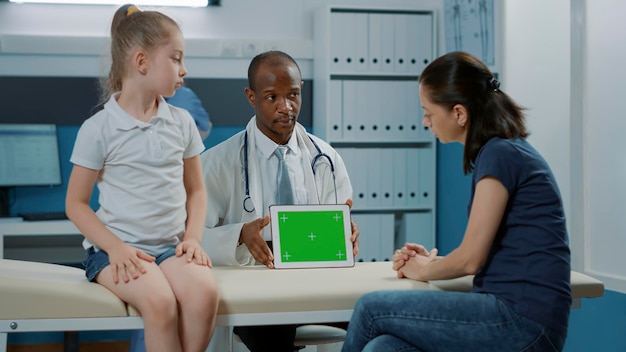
[[42, 216]]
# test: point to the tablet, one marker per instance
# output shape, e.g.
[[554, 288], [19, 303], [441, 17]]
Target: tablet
[[311, 236]]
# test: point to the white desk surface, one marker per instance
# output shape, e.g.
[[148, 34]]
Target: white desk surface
[[301, 295], [257, 295]]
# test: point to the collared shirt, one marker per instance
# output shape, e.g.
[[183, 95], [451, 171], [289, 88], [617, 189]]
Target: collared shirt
[[142, 196], [268, 164]]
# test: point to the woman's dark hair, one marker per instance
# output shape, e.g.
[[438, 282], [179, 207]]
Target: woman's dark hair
[[461, 78]]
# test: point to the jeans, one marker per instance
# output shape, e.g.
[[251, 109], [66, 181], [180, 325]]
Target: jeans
[[431, 321], [96, 261]]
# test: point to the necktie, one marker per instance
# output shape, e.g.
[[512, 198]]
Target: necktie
[[284, 192]]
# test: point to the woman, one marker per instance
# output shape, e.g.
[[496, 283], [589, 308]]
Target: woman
[[515, 243]]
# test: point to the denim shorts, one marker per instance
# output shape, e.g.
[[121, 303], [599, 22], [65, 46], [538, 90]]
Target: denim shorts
[[96, 261]]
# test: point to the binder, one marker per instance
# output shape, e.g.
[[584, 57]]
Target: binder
[[362, 110], [349, 159], [372, 113], [399, 177], [387, 126], [416, 228], [426, 176], [412, 117], [423, 29], [373, 163], [350, 106], [397, 110], [413, 178], [415, 37], [401, 42], [362, 170], [386, 237], [386, 178], [335, 111], [360, 61], [337, 39], [375, 42], [369, 229], [387, 42]]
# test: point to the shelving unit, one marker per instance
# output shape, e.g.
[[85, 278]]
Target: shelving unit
[[366, 104]]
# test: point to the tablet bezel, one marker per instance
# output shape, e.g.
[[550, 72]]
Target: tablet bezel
[[274, 222]]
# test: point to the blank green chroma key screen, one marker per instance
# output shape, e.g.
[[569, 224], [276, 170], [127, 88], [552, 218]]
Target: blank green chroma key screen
[[312, 236]]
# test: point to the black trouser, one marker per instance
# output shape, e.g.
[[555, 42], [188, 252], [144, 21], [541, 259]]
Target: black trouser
[[273, 338], [268, 338]]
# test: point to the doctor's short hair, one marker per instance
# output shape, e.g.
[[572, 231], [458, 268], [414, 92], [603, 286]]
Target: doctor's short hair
[[273, 58]]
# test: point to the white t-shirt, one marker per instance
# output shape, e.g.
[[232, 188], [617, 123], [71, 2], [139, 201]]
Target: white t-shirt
[[142, 194]]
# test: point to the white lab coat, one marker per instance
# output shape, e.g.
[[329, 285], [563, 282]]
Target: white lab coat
[[223, 170], [224, 178]]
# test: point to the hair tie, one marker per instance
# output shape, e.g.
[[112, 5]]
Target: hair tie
[[494, 84], [130, 9]]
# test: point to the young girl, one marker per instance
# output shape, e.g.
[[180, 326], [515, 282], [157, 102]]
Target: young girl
[[515, 243], [143, 243]]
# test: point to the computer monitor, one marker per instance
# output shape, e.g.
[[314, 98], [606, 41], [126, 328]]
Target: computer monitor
[[29, 154]]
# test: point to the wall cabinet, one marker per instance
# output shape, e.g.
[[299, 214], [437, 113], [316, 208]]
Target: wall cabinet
[[366, 104]]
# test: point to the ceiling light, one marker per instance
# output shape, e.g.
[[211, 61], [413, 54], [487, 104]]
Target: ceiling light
[[181, 3]]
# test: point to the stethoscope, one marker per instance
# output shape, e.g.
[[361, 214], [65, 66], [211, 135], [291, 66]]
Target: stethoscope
[[248, 204]]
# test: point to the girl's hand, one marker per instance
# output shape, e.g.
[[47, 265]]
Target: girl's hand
[[194, 252], [127, 261]]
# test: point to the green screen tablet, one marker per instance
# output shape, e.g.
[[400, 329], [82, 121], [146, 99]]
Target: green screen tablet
[[311, 236]]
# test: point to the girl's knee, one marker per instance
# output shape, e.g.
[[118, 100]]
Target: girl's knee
[[161, 304]]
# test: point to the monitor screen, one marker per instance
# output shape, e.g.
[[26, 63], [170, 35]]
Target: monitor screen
[[29, 155]]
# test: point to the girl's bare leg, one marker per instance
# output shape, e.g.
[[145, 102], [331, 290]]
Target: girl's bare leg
[[196, 291]]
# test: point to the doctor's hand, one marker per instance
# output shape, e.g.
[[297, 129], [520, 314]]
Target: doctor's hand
[[355, 232], [252, 236]]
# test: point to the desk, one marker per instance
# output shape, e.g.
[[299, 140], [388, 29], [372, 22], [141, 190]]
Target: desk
[[47, 297], [51, 228], [259, 296]]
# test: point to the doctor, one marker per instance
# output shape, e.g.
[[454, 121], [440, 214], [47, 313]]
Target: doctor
[[241, 178]]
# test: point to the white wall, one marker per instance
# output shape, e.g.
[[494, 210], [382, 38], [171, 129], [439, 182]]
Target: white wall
[[564, 60], [604, 126], [73, 37], [536, 74]]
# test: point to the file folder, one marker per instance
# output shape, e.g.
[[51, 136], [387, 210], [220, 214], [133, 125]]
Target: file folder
[[335, 111], [386, 178], [426, 177], [413, 177], [416, 228], [375, 42], [387, 237], [399, 177], [401, 41], [373, 162], [387, 42]]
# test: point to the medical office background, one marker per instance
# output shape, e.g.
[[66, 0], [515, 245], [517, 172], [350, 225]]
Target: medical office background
[[562, 59]]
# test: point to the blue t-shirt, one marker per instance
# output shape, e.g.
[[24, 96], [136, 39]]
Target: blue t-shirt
[[528, 266]]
